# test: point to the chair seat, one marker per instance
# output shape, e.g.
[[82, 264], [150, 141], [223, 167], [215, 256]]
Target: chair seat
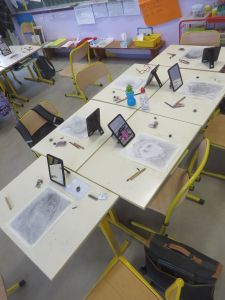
[[168, 191], [3, 295], [77, 67], [121, 284], [215, 131]]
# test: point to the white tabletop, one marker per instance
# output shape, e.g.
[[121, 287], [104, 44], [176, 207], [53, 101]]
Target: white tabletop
[[109, 168], [18, 53], [73, 157], [165, 58], [59, 243], [197, 110], [107, 94]]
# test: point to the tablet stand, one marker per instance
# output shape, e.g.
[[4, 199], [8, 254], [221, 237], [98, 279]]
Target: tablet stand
[[154, 73]]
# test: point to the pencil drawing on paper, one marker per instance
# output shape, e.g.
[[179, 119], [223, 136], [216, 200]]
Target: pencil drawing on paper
[[75, 127], [36, 218], [201, 89], [122, 82], [152, 151], [194, 53]]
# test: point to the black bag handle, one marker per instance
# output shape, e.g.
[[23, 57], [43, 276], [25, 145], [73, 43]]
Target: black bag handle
[[25, 133], [48, 115]]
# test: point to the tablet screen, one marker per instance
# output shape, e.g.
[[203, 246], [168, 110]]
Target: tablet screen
[[175, 77], [121, 130]]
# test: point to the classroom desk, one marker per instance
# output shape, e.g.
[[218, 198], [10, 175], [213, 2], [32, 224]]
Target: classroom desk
[[110, 169], [59, 243], [18, 54], [73, 158], [165, 58], [197, 110], [107, 94]]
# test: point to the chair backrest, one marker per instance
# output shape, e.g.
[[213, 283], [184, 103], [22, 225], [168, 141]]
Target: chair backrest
[[200, 158], [3, 295], [173, 292], [201, 38], [91, 74], [28, 32]]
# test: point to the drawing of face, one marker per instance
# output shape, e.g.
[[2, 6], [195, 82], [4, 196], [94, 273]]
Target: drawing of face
[[150, 150]]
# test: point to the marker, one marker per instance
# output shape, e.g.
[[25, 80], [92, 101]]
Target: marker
[[136, 174], [92, 197], [8, 203]]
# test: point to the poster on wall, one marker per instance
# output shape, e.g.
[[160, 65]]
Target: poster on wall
[[84, 15], [156, 12], [100, 10], [115, 9], [131, 8]]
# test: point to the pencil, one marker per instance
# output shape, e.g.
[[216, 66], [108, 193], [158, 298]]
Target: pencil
[[136, 174], [77, 145], [8, 203]]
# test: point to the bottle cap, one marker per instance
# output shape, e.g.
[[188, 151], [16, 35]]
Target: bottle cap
[[142, 90]]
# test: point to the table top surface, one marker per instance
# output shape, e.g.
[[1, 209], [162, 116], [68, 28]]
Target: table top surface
[[136, 71], [113, 168], [59, 243], [116, 45], [172, 55], [73, 158], [196, 109], [18, 53]]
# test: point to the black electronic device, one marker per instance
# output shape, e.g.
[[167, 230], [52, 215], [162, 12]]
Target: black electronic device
[[93, 123], [5, 50], [175, 77], [210, 55], [56, 169], [121, 130], [151, 75]]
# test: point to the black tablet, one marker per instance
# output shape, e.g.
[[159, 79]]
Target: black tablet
[[121, 130], [151, 75], [93, 123], [5, 50], [210, 55], [175, 77], [56, 169]]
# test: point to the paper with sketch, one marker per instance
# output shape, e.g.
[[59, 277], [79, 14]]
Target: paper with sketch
[[74, 127], [39, 216], [78, 188], [201, 89], [194, 53], [115, 9], [122, 82], [151, 151], [131, 8], [84, 15], [100, 10]]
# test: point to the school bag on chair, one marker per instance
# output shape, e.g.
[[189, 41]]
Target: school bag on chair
[[167, 260], [45, 67]]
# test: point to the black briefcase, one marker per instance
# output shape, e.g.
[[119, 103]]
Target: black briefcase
[[167, 260]]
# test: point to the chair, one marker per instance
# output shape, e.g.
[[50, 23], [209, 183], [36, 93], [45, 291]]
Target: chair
[[201, 38], [122, 281], [77, 65], [6, 292], [215, 133], [28, 33], [33, 127], [171, 194]]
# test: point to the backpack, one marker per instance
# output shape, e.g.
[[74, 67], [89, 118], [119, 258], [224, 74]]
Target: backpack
[[51, 124], [45, 67]]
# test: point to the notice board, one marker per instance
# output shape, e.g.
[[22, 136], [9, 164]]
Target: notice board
[[156, 12]]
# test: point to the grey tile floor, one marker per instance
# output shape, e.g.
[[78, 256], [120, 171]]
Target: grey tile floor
[[201, 227]]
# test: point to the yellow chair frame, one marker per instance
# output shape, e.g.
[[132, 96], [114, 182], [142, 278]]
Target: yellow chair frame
[[193, 176], [12, 289], [173, 292]]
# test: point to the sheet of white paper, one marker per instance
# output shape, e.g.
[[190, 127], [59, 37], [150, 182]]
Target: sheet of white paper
[[151, 151], [100, 10], [84, 15], [39, 216], [194, 53], [115, 9], [78, 188], [74, 127], [122, 82], [201, 89], [131, 7]]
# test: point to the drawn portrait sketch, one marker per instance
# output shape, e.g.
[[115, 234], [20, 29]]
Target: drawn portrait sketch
[[151, 151], [194, 53], [201, 89], [37, 217], [74, 127]]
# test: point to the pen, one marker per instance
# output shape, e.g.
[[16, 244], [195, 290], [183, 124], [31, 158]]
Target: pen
[[77, 145], [179, 101], [136, 174], [8, 203], [92, 197]]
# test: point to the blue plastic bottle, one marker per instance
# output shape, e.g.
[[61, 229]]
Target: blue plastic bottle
[[131, 101]]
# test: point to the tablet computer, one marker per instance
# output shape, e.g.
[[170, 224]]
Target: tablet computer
[[93, 123], [56, 169], [175, 77], [210, 55], [151, 75], [5, 50], [121, 130]]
